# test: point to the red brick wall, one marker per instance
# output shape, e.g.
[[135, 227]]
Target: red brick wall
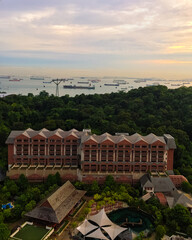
[[170, 154], [10, 153]]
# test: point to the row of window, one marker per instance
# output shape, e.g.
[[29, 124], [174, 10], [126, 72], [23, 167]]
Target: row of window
[[124, 146], [46, 140], [121, 168]]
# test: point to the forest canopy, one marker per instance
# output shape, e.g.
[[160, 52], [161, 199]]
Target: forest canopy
[[155, 109]]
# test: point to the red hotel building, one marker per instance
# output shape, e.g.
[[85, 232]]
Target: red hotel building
[[86, 156]]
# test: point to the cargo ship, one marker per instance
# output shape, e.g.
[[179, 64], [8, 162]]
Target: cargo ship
[[112, 84], [15, 80], [36, 78], [4, 77], [83, 82], [78, 87]]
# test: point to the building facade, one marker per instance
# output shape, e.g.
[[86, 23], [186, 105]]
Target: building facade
[[86, 156]]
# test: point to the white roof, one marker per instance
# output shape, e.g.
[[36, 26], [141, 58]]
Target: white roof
[[101, 218], [97, 234], [114, 230], [86, 227]]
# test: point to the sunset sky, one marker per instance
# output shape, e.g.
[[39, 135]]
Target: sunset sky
[[133, 38]]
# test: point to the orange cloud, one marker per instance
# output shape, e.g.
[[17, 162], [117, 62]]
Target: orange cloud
[[167, 61]]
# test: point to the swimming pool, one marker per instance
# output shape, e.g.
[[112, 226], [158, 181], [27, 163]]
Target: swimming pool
[[7, 205], [143, 220]]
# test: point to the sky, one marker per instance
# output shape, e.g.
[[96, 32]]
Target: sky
[[131, 38]]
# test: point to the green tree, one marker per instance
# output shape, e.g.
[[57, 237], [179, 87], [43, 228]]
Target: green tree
[[160, 232], [189, 230], [22, 182], [58, 179], [95, 187], [109, 182], [4, 232], [186, 187]]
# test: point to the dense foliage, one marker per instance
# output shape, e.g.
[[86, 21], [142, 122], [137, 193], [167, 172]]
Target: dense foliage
[[24, 195], [154, 109]]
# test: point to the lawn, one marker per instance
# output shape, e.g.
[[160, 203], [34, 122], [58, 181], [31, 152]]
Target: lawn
[[31, 232]]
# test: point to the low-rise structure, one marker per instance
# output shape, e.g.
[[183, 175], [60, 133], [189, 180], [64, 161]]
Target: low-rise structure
[[86, 156], [56, 207], [163, 188]]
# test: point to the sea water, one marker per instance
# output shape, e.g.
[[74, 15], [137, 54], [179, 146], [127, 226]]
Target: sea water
[[27, 85]]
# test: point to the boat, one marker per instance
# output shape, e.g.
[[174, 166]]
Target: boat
[[140, 80], [112, 84], [176, 85], [5, 77], [78, 87], [36, 78], [83, 82], [120, 81], [47, 82], [15, 80], [94, 80]]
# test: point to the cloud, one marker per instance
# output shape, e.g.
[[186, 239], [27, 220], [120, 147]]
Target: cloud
[[119, 28]]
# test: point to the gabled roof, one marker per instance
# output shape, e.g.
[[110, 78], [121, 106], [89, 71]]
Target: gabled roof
[[152, 138], [84, 136], [145, 181], [105, 136], [58, 205], [72, 133], [122, 138], [162, 184], [184, 199], [90, 137], [137, 138]]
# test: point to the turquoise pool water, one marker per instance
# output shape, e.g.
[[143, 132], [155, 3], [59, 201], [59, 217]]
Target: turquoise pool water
[[132, 215], [8, 205]]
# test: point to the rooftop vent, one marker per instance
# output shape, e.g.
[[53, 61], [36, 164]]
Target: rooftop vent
[[119, 134]]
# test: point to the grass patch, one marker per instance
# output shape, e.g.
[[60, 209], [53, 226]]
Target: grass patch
[[31, 232]]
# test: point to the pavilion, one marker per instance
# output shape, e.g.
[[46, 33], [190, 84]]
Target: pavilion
[[99, 226], [56, 207]]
